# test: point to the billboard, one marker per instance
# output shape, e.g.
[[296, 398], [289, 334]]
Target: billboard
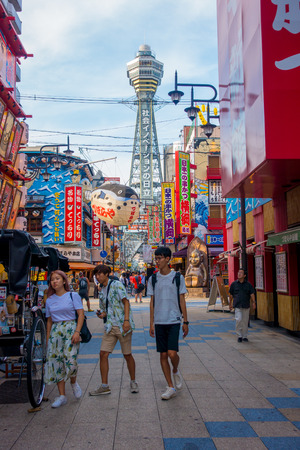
[[7, 65], [154, 225], [73, 213], [69, 214], [168, 211], [78, 209], [146, 192], [259, 72], [96, 231], [183, 193]]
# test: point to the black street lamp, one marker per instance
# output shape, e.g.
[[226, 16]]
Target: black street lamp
[[192, 111], [48, 159]]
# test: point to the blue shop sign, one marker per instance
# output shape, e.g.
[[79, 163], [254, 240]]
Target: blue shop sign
[[214, 239]]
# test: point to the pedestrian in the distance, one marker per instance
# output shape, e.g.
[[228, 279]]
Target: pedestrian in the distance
[[83, 286], [116, 312], [124, 280], [165, 318], [63, 336], [240, 293], [143, 282]]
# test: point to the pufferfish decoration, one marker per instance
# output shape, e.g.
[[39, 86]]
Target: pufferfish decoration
[[115, 204]]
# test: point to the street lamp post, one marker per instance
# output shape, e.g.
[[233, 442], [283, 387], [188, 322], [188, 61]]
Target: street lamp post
[[208, 130], [46, 158], [192, 111]]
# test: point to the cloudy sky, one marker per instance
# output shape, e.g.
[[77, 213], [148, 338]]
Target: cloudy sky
[[81, 50]]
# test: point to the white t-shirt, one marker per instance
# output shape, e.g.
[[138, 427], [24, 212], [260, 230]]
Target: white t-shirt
[[63, 308], [166, 309]]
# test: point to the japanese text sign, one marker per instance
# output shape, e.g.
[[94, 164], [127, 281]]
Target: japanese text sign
[[183, 193], [168, 208], [78, 206], [146, 150], [70, 214], [96, 231], [154, 228]]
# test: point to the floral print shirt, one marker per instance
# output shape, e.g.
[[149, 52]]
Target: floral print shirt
[[115, 313]]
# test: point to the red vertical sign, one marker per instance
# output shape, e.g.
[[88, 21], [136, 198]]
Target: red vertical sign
[[96, 231], [78, 208], [69, 214]]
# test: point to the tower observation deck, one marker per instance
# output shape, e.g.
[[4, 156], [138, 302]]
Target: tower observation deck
[[145, 74]]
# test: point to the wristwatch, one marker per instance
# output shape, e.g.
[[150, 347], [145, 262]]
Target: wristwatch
[[186, 323]]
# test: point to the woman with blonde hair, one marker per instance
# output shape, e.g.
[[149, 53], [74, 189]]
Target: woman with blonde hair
[[63, 336]]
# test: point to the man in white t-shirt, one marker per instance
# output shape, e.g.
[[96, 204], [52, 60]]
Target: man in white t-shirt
[[166, 312]]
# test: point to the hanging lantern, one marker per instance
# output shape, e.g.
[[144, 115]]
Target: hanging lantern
[[21, 163], [115, 204], [23, 201], [21, 223], [25, 134]]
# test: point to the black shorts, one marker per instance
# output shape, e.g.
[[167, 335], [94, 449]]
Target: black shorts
[[84, 295], [167, 337]]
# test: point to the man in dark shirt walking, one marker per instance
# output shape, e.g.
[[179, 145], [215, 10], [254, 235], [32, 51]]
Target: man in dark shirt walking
[[240, 293]]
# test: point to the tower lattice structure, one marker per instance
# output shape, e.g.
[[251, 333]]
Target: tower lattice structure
[[145, 73]]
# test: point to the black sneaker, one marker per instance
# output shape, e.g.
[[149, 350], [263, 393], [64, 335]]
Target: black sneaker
[[245, 340], [240, 339]]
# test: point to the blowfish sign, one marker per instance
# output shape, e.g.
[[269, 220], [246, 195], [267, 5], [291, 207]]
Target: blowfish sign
[[183, 193], [73, 214], [168, 207], [115, 204]]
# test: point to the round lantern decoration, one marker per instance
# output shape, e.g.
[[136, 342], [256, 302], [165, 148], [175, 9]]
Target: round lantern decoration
[[115, 204]]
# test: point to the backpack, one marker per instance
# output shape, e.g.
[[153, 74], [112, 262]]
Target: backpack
[[83, 284], [176, 279]]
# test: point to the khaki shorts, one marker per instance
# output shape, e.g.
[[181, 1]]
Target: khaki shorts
[[109, 341]]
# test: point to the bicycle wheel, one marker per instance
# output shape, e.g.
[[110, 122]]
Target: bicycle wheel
[[36, 356]]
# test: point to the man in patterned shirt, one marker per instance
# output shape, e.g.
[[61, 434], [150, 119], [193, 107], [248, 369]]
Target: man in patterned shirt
[[118, 324]]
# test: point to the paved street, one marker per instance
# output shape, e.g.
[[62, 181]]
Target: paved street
[[234, 396]]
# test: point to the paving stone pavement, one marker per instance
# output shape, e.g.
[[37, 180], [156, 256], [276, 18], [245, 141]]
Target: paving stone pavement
[[234, 396]]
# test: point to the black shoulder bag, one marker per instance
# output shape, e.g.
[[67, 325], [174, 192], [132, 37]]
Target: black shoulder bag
[[106, 303], [85, 333]]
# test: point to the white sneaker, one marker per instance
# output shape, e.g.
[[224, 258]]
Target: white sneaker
[[76, 390], [169, 393], [59, 401], [134, 387], [177, 380]]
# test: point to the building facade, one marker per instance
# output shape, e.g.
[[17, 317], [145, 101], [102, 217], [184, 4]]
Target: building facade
[[259, 42], [13, 131]]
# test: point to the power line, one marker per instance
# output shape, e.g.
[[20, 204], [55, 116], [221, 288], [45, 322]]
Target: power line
[[89, 133], [99, 100]]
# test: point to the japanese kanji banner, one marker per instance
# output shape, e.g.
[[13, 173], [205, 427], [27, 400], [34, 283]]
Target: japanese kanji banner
[[69, 213], [168, 208], [183, 193], [154, 221], [96, 231], [78, 206]]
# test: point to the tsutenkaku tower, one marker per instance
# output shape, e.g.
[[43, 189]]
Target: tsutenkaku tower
[[145, 74]]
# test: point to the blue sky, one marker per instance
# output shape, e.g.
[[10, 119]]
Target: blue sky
[[81, 50]]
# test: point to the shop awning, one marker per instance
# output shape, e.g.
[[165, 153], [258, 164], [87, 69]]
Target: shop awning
[[80, 266], [285, 237], [181, 253], [214, 251]]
